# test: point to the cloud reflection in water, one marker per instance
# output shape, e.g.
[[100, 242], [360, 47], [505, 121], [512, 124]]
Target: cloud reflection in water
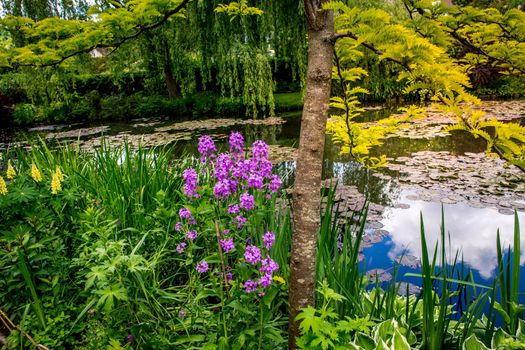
[[472, 230]]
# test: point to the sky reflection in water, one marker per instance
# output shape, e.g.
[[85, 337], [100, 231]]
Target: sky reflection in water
[[472, 231]]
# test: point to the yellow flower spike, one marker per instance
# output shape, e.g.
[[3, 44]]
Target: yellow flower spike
[[35, 173], [56, 186], [59, 174], [11, 173], [3, 187], [279, 279]]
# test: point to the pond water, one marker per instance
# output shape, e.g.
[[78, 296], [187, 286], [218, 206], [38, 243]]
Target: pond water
[[428, 169]]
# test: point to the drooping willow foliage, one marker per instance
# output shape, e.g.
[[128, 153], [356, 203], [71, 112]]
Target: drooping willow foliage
[[234, 55], [197, 48]]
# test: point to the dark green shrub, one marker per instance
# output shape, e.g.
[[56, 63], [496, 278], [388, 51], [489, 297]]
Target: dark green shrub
[[24, 113], [56, 112], [227, 106], [203, 104]]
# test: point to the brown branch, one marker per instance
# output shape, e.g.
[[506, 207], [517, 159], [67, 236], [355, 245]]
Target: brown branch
[[10, 326], [371, 47], [343, 88], [478, 50]]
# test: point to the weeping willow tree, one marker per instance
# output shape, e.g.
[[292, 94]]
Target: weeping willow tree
[[178, 44]]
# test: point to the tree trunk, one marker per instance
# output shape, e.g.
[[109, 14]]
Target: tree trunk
[[171, 83], [306, 196]]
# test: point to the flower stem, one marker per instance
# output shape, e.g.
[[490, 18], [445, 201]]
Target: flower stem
[[221, 256]]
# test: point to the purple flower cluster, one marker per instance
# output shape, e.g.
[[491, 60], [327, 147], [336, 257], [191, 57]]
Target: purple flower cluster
[[184, 213], [268, 266], [206, 148], [260, 150], [233, 209], [190, 182], [191, 235], [247, 201], [236, 143], [180, 247], [250, 286], [268, 239], [202, 267], [240, 221], [227, 244], [239, 183], [275, 183], [252, 254]]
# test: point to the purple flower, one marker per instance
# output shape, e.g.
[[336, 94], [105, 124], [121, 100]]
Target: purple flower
[[178, 226], [240, 220], [222, 189], [180, 247], [265, 168], [191, 235], [268, 239], [202, 267], [182, 314], [233, 209], [223, 166], [225, 232], [236, 142], [206, 147], [250, 286], [184, 213], [227, 244], [233, 185], [229, 276], [190, 186], [265, 280], [247, 201], [255, 181], [260, 150], [252, 254], [275, 183], [268, 266], [131, 338]]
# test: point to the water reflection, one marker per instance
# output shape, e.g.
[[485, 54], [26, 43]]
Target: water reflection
[[472, 231]]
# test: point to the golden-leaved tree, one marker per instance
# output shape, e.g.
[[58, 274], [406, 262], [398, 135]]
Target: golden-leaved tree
[[420, 45]]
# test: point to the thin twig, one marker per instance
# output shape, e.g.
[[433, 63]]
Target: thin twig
[[10, 326]]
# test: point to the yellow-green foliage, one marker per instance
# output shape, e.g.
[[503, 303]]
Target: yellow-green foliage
[[356, 138], [51, 40], [240, 8], [505, 139], [420, 44]]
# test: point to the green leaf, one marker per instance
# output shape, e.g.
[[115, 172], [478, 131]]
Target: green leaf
[[473, 343]]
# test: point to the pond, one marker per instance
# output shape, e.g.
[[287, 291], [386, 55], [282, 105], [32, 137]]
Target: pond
[[428, 170]]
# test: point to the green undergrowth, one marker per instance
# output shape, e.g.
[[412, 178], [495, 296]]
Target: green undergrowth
[[452, 311], [90, 258]]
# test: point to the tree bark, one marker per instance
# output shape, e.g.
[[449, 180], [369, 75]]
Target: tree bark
[[306, 195], [171, 83]]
